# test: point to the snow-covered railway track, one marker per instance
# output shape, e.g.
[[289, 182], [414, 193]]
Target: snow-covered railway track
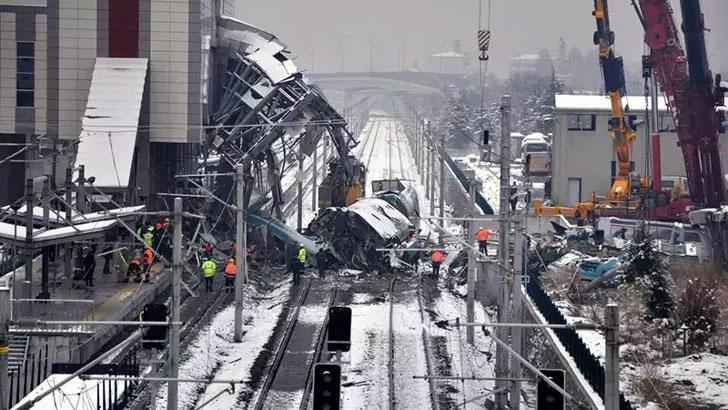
[[422, 295], [289, 377], [390, 364]]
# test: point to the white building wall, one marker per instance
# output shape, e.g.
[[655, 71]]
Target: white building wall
[[8, 61], [77, 54], [41, 73], [588, 155], [169, 70]]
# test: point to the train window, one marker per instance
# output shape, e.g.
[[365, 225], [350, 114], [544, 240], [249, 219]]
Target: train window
[[537, 147]]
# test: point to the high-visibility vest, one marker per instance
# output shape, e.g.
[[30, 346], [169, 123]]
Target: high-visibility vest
[[302, 255], [437, 256], [147, 237], [208, 268], [230, 269], [482, 235]]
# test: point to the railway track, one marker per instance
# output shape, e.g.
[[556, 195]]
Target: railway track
[[423, 293], [390, 361], [300, 347]]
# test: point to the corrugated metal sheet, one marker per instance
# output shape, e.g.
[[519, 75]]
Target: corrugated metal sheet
[[111, 121]]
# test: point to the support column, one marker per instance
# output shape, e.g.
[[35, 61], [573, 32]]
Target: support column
[[299, 200], [4, 348], [46, 202], [501, 357], [173, 391], [81, 196], [611, 358], [68, 246], [314, 205], [422, 146], [472, 265], [240, 257], [28, 283]]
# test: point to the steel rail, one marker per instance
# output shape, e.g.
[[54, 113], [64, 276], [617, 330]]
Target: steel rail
[[281, 349], [426, 342], [390, 367], [321, 340]]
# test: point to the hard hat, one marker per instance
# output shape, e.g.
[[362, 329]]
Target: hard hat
[[231, 261], [150, 228]]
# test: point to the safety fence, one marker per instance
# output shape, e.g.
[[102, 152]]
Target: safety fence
[[54, 310], [25, 378], [588, 365]]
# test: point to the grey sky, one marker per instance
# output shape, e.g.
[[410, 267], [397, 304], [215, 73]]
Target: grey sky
[[423, 27]]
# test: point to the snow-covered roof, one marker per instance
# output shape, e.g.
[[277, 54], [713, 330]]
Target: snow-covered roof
[[449, 54], [370, 209], [59, 218], [109, 125], [11, 232], [568, 102]]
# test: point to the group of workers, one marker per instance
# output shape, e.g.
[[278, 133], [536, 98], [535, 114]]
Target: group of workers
[[437, 256], [209, 267], [156, 240]]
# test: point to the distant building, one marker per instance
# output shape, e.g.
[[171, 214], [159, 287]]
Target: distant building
[[583, 159], [49, 50]]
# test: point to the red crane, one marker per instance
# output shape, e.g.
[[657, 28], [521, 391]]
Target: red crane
[[690, 93]]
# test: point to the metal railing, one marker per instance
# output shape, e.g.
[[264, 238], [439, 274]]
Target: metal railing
[[54, 309], [588, 365]]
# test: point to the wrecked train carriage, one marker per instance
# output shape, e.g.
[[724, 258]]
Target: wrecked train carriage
[[354, 233]]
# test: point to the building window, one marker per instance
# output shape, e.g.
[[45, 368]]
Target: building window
[[666, 123], [581, 122], [25, 80]]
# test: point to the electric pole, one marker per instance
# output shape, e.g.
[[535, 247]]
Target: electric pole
[[472, 264], [611, 358], [240, 254], [501, 356], [442, 180], [175, 317], [433, 147], [517, 313]]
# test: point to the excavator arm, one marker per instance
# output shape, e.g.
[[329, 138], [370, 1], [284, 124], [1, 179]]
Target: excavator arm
[[613, 70]]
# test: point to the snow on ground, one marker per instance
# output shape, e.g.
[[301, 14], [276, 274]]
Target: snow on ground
[[488, 173], [212, 354], [465, 360], [702, 376], [367, 383]]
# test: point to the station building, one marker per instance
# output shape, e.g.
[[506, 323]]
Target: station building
[[131, 75], [583, 159]]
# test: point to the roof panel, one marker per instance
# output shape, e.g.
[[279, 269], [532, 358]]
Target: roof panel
[[109, 125]]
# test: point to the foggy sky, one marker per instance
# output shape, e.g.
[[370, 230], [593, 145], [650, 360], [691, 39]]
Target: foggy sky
[[321, 31]]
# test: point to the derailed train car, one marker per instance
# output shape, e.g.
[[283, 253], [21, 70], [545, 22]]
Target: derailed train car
[[354, 233]]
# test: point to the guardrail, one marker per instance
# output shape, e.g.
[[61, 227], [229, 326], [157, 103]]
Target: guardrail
[[588, 365], [54, 309]]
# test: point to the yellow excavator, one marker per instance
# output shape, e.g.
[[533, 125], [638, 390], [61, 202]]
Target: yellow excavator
[[620, 194]]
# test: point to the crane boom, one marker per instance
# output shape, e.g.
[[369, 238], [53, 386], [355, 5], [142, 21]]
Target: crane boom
[[687, 107], [702, 102], [613, 70]]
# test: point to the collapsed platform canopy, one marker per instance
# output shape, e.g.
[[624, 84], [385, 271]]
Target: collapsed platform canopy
[[111, 121]]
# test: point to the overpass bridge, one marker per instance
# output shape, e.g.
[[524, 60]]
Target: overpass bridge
[[422, 83]]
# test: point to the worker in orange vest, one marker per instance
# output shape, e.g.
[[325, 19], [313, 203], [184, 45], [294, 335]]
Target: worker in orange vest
[[147, 259], [482, 238], [437, 258], [230, 270]]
